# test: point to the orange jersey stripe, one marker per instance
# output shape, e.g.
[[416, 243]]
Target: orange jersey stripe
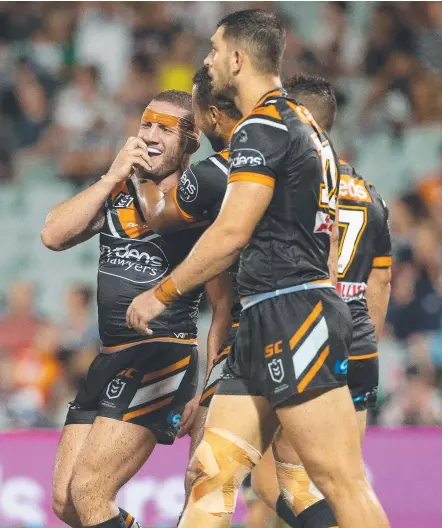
[[128, 520], [131, 222], [224, 154], [313, 371], [153, 340], [208, 393], [187, 217], [148, 409], [299, 334], [274, 93], [166, 370], [270, 111], [268, 181], [382, 262], [235, 325], [367, 356]]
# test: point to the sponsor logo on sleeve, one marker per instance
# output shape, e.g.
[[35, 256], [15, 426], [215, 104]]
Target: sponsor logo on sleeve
[[246, 157], [188, 186]]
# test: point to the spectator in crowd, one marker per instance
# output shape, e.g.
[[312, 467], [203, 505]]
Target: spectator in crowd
[[104, 37], [19, 322], [176, 72], [416, 402], [25, 105], [79, 338], [89, 121]]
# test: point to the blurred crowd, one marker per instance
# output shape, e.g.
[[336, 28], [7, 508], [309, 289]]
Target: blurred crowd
[[74, 79]]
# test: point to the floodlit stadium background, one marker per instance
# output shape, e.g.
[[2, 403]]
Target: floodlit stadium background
[[74, 79]]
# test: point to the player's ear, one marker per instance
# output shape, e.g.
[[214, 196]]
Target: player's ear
[[214, 115], [237, 61], [192, 145]]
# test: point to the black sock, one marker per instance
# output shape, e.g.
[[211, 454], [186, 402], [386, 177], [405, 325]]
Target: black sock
[[129, 520], [320, 515], [116, 522], [285, 513]]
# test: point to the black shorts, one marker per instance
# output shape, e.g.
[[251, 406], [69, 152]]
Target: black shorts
[[363, 362], [287, 345], [147, 384], [217, 368]]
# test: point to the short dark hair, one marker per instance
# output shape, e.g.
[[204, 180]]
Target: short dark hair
[[262, 35], [177, 98], [317, 94], [205, 97]]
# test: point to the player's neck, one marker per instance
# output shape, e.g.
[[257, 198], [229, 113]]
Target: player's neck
[[170, 181], [251, 90]]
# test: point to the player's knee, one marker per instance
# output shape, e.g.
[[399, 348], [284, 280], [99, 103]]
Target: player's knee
[[191, 472], [87, 484], [298, 490], [223, 460], [62, 504]]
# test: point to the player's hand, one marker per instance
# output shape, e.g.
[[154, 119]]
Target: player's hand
[[131, 156], [142, 310], [188, 416]]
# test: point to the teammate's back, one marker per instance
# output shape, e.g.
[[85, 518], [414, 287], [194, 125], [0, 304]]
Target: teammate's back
[[364, 241]]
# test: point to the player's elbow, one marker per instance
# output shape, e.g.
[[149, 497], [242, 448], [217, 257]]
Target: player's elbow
[[236, 239], [50, 240]]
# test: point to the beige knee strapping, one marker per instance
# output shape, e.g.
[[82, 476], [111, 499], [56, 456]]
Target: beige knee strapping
[[224, 461], [296, 487]]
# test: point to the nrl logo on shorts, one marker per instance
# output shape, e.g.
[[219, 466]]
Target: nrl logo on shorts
[[115, 388], [276, 369]]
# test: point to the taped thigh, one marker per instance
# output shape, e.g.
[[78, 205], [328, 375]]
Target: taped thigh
[[296, 487], [224, 460]]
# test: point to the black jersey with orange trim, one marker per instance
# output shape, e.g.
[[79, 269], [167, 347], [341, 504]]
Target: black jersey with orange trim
[[364, 235], [134, 259], [199, 196], [280, 145]]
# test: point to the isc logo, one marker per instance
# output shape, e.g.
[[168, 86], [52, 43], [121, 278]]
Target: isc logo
[[274, 348]]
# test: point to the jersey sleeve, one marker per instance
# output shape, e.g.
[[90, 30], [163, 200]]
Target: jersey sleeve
[[383, 258], [200, 188], [258, 147]]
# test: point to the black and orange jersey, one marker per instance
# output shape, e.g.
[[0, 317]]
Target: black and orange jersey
[[199, 195], [134, 259], [280, 145], [201, 189], [364, 235]]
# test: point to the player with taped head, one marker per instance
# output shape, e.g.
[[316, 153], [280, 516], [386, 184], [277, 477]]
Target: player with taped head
[[198, 197], [363, 268], [293, 326], [136, 389]]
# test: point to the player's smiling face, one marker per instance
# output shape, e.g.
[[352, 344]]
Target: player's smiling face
[[165, 143], [219, 66]]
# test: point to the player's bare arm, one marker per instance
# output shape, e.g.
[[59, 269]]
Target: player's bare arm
[[334, 249], [78, 219], [378, 295], [218, 248], [159, 209], [219, 294]]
